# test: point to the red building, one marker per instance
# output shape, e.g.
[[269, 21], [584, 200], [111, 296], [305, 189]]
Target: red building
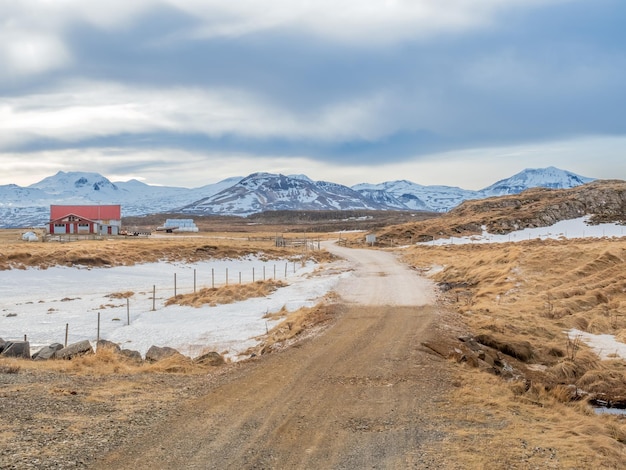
[[102, 220]]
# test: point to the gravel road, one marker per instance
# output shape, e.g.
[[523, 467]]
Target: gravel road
[[364, 394]]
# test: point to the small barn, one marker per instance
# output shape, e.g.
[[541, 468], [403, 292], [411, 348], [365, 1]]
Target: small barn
[[101, 220]]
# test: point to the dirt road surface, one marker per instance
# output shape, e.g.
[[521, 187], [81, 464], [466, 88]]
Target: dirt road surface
[[364, 394]]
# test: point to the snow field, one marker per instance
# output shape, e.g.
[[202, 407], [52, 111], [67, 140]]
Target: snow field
[[39, 303]]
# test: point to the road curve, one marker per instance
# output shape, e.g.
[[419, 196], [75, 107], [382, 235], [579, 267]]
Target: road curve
[[361, 395]]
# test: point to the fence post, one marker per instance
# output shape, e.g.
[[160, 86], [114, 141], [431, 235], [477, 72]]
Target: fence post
[[127, 311], [153, 297], [264, 272], [194, 281], [226, 276], [285, 270], [274, 272], [174, 284], [240, 277], [98, 337], [213, 278], [67, 327], [253, 274]]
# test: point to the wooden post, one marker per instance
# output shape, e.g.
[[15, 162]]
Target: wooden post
[[274, 272], [174, 284], [153, 298], [240, 277], [98, 337], [264, 272], [194, 281], [226, 276], [127, 311], [67, 328], [213, 278], [294, 267], [286, 270], [252, 274]]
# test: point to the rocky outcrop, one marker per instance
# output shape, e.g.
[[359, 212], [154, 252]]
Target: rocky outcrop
[[75, 350], [156, 353], [131, 355], [16, 349], [211, 359], [47, 352], [603, 201]]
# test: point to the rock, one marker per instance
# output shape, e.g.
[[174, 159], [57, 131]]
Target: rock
[[74, 350], [156, 353], [47, 352], [104, 344], [17, 349], [131, 355], [211, 358], [521, 350]]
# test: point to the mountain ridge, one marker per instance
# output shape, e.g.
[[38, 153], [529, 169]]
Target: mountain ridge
[[257, 192]]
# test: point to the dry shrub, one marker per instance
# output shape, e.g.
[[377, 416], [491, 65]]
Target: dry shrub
[[294, 324], [617, 431], [227, 294], [121, 295], [105, 361], [9, 368], [176, 363]]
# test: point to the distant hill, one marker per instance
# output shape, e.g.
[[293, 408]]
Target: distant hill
[[601, 200], [258, 192]]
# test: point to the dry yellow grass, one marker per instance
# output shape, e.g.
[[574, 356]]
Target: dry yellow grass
[[17, 254], [535, 292], [294, 324], [226, 294]]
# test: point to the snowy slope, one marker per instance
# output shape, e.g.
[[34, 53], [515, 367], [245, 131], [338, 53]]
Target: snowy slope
[[418, 197], [266, 191], [30, 206], [550, 177], [24, 207]]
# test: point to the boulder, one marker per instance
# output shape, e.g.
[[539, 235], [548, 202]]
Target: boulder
[[81, 348], [211, 359], [131, 355], [105, 344], [47, 352], [17, 349], [156, 353]]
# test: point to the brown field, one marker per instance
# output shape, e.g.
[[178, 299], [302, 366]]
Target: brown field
[[116, 251], [532, 293], [524, 293]]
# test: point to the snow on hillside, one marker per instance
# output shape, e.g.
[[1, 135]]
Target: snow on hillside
[[414, 196], [550, 177], [23, 207], [565, 229], [30, 206]]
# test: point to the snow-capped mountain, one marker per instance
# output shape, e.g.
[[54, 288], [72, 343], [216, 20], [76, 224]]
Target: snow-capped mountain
[[412, 196], [550, 177], [266, 191], [30, 206]]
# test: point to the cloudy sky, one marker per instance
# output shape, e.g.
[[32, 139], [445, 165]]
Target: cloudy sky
[[189, 92]]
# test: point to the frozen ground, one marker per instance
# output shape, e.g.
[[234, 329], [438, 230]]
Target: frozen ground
[[39, 303], [575, 228], [605, 346]]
